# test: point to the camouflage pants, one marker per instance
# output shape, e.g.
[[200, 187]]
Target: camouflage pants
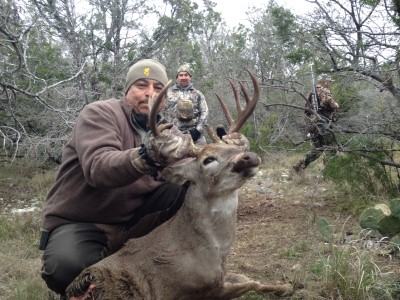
[[321, 135]]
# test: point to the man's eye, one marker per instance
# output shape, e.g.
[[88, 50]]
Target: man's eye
[[141, 85], [208, 160]]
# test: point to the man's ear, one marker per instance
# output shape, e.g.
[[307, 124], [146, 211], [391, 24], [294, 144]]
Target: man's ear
[[179, 172]]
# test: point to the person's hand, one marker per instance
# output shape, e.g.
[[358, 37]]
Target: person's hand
[[237, 139], [169, 146], [195, 134], [220, 130], [234, 138]]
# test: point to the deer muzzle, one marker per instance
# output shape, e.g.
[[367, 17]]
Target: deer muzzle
[[247, 163]]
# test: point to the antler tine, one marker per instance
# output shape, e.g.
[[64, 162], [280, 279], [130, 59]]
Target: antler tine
[[212, 134], [244, 91], [243, 115], [237, 98], [225, 109], [154, 108], [237, 101]]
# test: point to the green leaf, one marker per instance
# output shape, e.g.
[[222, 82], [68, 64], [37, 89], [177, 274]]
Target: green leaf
[[394, 205], [370, 218], [389, 226]]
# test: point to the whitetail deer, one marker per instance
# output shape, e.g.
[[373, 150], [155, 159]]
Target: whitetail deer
[[184, 258]]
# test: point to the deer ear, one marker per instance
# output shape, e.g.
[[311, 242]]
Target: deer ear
[[179, 172]]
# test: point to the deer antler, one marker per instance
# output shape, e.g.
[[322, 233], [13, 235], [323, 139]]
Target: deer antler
[[153, 107], [243, 114]]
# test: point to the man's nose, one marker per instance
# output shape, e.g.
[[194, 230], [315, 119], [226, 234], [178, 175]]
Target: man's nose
[[150, 90]]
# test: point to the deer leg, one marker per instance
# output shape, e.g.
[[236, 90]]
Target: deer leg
[[281, 289], [88, 295], [80, 285], [236, 284]]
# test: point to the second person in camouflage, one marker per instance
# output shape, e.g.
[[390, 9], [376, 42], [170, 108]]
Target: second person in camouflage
[[319, 130], [186, 106]]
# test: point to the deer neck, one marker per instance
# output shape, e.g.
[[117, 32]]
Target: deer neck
[[210, 216]]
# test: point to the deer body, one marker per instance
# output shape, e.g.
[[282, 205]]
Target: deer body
[[183, 258]]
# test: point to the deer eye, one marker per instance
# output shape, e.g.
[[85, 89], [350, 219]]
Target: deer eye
[[208, 160]]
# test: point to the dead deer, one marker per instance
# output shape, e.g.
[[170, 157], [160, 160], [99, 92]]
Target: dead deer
[[184, 258]]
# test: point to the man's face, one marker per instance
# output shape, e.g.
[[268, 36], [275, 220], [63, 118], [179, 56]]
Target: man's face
[[139, 93], [184, 79]]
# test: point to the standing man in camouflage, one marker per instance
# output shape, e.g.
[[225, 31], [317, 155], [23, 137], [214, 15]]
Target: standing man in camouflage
[[186, 107], [319, 120]]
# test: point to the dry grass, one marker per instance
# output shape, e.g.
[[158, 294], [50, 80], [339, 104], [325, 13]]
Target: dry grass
[[20, 278]]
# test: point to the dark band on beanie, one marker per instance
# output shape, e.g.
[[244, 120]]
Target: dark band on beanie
[[146, 69]]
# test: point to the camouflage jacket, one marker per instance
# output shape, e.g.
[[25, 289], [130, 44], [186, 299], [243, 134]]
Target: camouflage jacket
[[186, 108], [328, 105]]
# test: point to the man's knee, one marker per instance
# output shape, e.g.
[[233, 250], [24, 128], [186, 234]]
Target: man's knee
[[60, 269], [70, 249]]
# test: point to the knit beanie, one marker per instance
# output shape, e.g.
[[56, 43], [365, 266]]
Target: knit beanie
[[146, 69]]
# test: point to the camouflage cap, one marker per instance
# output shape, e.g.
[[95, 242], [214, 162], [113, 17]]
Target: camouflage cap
[[146, 69], [185, 68]]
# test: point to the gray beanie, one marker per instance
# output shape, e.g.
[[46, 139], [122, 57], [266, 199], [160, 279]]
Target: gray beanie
[[146, 69]]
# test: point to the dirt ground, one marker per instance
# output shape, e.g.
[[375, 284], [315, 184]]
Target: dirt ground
[[277, 235], [270, 227]]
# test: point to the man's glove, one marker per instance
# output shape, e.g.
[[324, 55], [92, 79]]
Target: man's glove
[[169, 146], [195, 134], [235, 138], [220, 131]]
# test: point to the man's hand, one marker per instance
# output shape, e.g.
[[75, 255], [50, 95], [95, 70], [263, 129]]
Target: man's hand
[[195, 134], [234, 138], [220, 130], [169, 146], [237, 139]]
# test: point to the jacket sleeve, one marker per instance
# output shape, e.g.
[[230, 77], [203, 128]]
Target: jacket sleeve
[[99, 140], [203, 112], [327, 101]]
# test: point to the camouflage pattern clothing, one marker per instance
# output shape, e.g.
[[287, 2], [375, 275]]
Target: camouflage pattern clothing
[[328, 105], [320, 131], [186, 108]]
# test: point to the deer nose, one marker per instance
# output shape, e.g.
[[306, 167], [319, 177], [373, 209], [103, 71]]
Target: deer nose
[[246, 160]]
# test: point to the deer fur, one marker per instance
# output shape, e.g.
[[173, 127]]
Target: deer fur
[[184, 258]]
